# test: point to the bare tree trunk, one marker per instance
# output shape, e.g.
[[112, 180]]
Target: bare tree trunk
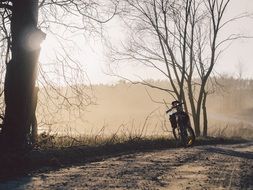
[[193, 109], [205, 121], [34, 125], [198, 110], [196, 118], [21, 72]]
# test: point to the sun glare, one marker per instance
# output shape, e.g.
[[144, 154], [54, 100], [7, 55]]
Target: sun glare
[[48, 47]]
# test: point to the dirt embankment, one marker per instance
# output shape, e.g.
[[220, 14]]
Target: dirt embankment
[[200, 167]]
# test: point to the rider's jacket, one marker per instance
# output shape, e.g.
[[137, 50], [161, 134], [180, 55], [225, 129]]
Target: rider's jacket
[[180, 118]]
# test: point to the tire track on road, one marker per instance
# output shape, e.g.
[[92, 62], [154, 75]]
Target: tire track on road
[[200, 167]]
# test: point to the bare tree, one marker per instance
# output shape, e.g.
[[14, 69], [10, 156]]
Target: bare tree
[[21, 37], [181, 40]]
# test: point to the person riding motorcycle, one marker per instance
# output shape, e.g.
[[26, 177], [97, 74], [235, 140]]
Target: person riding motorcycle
[[180, 123], [179, 111], [179, 117]]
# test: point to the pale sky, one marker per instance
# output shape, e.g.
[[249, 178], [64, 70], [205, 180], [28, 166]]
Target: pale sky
[[241, 50], [94, 61]]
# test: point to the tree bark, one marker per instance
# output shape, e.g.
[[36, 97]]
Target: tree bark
[[21, 72], [34, 125], [205, 121]]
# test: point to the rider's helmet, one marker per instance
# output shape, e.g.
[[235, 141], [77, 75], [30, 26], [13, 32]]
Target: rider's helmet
[[177, 105]]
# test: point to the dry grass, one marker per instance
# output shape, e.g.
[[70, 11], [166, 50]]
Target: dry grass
[[126, 132], [232, 131], [47, 141], [54, 151]]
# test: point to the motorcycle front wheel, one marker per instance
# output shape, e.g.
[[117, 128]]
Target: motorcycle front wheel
[[186, 136]]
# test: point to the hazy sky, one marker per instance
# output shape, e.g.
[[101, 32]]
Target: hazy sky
[[93, 55], [241, 50]]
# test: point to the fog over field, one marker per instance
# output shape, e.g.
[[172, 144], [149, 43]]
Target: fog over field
[[127, 109]]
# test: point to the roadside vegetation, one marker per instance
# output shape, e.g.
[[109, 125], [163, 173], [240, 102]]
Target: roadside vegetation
[[53, 152]]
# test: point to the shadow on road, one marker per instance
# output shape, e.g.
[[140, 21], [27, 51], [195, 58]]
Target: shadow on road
[[230, 152]]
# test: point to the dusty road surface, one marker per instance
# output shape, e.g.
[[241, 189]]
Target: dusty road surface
[[200, 167]]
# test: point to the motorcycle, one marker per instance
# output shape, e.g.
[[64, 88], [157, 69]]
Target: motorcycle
[[180, 123]]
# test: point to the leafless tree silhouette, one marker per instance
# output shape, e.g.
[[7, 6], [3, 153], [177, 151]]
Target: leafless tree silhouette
[[23, 27], [182, 41]]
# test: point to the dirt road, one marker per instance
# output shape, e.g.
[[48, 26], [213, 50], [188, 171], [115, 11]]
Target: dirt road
[[201, 167]]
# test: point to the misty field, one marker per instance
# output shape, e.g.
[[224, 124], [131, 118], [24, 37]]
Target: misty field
[[134, 110]]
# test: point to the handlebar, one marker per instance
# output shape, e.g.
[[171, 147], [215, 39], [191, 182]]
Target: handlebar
[[181, 103]]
